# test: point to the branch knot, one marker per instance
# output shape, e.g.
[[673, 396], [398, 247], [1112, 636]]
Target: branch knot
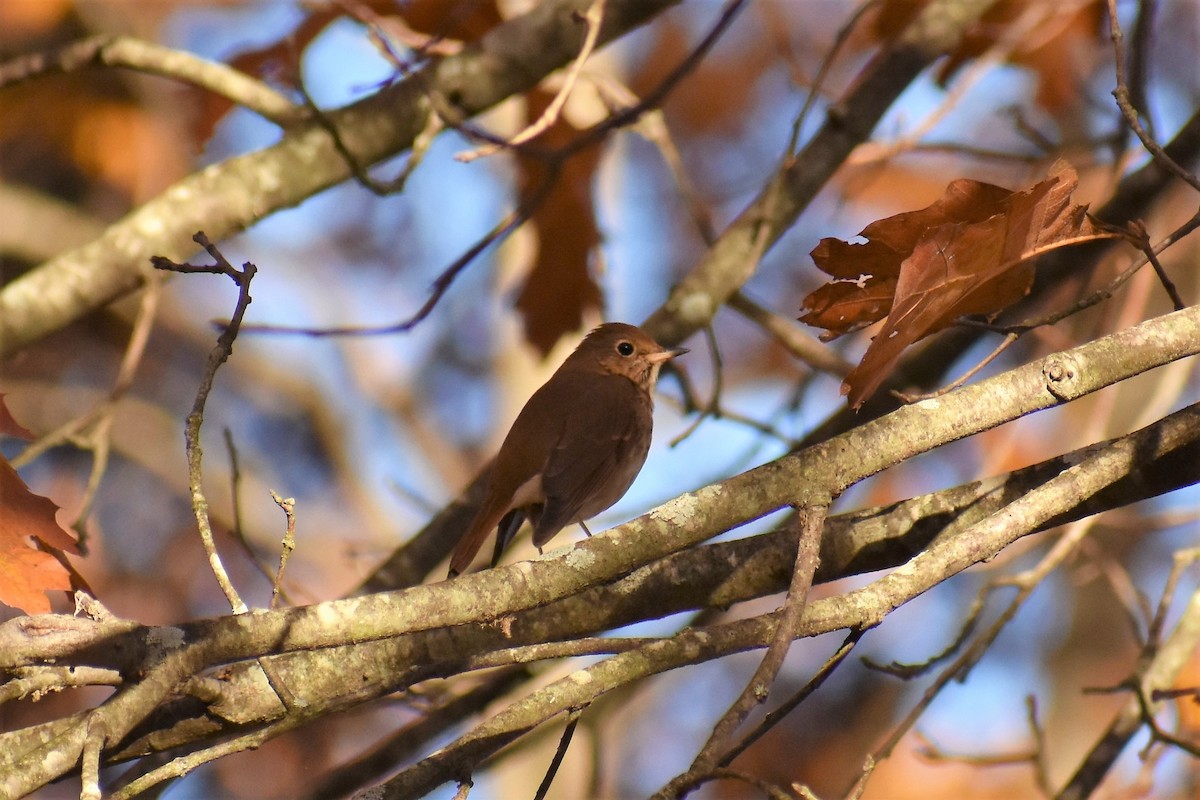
[[1062, 372]]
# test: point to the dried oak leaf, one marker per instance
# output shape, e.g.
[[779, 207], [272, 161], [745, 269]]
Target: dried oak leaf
[[26, 572], [560, 288], [971, 252]]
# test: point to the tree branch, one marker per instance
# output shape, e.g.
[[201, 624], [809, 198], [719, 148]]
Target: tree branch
[[229, 197]]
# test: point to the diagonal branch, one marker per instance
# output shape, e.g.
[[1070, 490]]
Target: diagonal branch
[[802, 478], [229, 197]]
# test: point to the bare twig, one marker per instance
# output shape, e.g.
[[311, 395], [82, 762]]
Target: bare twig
[[1041, 757], [510, 223], [1125, 104], [1107, 291], [405, 743], [154, 59], [810, 521], [288, 504], [712, 408], [777, 715], [765, 787], [420, 146], [1161, 662], [237, 530], [1005, 343], [593, 17], [1139, 61], [908, 671], [1141, 237], [560, 753], [1034, 18], [216, 357]]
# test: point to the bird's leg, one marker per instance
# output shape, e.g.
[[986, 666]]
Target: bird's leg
[[585, 528]]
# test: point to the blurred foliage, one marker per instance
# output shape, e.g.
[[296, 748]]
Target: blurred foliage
[[373, 436]]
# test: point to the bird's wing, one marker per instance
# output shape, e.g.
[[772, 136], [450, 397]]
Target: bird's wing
[[590, 468], [523, 455]]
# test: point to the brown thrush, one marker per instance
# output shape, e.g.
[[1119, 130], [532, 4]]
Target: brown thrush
[[576, 446]]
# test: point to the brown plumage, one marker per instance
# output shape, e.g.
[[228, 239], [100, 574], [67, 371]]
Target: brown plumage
[[576, 446]]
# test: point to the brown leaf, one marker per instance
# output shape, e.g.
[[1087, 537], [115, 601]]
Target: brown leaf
[[971, 252], [559, 287], [27, 573], [1054, 55], [868, 272]]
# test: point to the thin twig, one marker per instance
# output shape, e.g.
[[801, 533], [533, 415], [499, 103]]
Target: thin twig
[[1132, 119], [594, 16], [447, 115], [1139, 61], [510, 223], [1034, 18], [960, 667], [216, 357], [775, 716], [1041, 759], [712, 408], [765, 787], [908, 671], [288, 504], [237, 529], [1141, 237], [809, 523], [1005, 343], [91, 430], [154, 59], [839, 41], [432, 127], [1104, 292], [560, 753]]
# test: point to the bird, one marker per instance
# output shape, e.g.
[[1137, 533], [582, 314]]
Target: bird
[[576, 446]]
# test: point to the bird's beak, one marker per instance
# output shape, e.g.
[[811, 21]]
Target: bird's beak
[[663, 356]]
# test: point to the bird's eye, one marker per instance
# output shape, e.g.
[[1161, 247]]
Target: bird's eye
[[625, 349]]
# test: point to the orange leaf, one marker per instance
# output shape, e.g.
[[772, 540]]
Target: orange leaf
[[27, 573], [971, 252]]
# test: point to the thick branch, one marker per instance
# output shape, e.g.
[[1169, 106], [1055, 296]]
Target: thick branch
[[733, 258], [794, 479], [231, 196]]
